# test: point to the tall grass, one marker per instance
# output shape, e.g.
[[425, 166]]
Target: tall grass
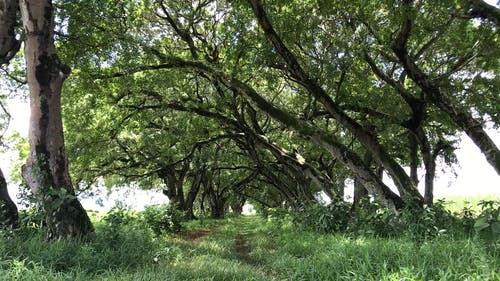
[[132, 251]]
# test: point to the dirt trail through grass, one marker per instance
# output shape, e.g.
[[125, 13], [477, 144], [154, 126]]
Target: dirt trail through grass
[[243, 239], [242, 248], [196, 234]]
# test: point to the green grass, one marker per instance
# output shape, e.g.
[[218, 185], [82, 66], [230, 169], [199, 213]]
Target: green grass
[[458, 203], [246, 248]]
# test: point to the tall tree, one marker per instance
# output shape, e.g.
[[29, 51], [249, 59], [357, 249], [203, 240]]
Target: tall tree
[[317, 82], [8, 210], [46, 171], [8, 49], [435, 89], [8, 21]]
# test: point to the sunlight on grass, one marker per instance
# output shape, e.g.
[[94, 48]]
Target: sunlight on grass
[[132, 253]]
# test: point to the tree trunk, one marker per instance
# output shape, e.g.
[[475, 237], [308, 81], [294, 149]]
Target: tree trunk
[[46, 171], [360, 193], [413, 146], [237, 205], [8, 48], [8, 209], [429, 163], [192, 194], [174, 181], [216, 201], [8, 20]]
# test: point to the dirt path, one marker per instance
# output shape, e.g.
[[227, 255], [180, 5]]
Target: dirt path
[[196, 234], [242, 241], [241, 247]]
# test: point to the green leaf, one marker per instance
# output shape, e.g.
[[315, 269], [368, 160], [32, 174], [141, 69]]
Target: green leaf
[[481, 224], [495, 227]]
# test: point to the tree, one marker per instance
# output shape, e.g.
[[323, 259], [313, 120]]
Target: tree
[[303, 76], [46, 171], [9, 45], [8, 49], [8, 209]]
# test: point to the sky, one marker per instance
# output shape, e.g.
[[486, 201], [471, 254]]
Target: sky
[[472, 177]]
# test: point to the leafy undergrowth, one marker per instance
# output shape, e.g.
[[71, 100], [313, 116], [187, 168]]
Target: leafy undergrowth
[[245, 248]]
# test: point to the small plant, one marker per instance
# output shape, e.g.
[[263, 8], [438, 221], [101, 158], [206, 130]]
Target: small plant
[[487, 225], [163, 219], [278, 217], [426, 222], [326, 219], [373, 219], [119, 216]]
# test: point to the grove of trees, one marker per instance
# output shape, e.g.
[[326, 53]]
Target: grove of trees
[[271, 102]]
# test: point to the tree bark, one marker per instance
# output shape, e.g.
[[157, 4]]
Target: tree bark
[[413, 147], [8, 21], [429, 163], [46, 171], [237, 205], [216, 200], [174, 181], [192, 194], [8, 210], [8, 48]]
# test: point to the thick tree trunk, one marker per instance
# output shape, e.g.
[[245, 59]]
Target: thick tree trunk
[[429, 163], [8, 48], [360, 193], [46, 171], [237, 205], [413, 146], [216, 200], [192, 194], [8, 20], [174, 181], [8, 209]]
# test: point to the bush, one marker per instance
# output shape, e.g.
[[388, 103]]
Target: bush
[[120, 216], [487, 225], [331, 218], [373, 219], [163, 219], [424, 222], [279, 217]]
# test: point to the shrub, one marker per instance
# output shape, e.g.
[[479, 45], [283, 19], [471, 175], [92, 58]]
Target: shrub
[[331, 218], [163, 219], [487, 225], [375, 220], [279, 217]]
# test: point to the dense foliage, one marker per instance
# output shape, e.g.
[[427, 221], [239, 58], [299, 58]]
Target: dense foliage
[[273, 102]]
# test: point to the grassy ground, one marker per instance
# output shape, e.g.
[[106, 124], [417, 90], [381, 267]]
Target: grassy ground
[[459, 203], [245, 248]]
